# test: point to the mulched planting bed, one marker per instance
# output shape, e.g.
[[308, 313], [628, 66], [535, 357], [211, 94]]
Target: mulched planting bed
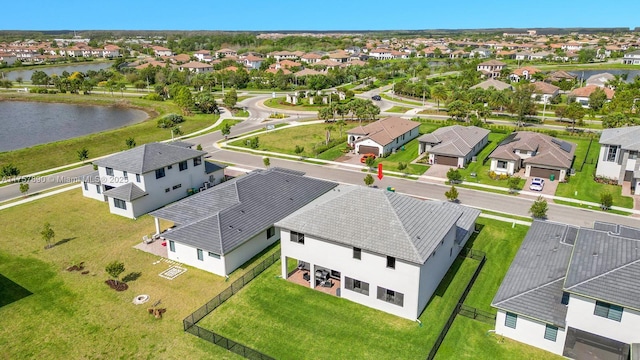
[[117, 286]]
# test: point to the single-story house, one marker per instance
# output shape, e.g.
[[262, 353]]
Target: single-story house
[[525, 73], [149, 176], [196, 67], [560, 75], [395, 266], [493, 83], [539, 154], [618, 158], [582, 94], [453, 145], [220, 229], [573, 291], [545, 90], [601, 80], [382, 137]]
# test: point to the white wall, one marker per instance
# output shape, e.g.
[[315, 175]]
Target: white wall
[[92, 191], [372, 268], [608, 169], [369, 142], [432, 272], [188, 255], [530, 332], [249, 249], [510, 167], [128, 212], [580, 316]]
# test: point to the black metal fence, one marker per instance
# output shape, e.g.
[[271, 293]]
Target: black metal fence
[[586, 155], [473, 313], [474, 254], [190, 323]]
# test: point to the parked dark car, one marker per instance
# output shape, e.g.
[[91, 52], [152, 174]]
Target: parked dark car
[[376, 97]]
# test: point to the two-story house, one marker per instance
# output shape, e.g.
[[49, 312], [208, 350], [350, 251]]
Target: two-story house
[[574, 291], [382, 137], [149, 176], [619, 149], [632, 58], [491, 68], [377, 248], [539, 154]]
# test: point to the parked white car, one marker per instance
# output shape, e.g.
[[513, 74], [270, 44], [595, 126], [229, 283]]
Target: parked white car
[[537, 184]]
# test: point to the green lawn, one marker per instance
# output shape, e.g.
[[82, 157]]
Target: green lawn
[[399, 109], [400, 100], [241, 113], [471, 339], [482, 170], [289, 321], [70, 315], [279, 103], [582, 181], [407, 155], [46, 156]]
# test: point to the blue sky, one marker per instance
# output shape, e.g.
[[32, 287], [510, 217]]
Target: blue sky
[[315, 14]]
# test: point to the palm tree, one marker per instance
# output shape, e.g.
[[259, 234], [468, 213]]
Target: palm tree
[[340, 124], [329, 129], [438, 92], [498, 99]]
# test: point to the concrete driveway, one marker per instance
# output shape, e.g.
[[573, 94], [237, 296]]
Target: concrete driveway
[[438, 170], [550, 187]]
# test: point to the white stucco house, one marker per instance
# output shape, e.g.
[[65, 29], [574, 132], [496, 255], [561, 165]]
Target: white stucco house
[[384, 136], [221, 228], [149, 176], [196, 67], [582, 94], [491, 68], [453, 145], [574, 291], [377, 248], [619, 149], [540, 155], [632, 58]]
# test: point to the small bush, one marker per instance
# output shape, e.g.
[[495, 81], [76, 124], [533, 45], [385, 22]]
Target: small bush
[[153, 97], [164, 123], [504, 176]]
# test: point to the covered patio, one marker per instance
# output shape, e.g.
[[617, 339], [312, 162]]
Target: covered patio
[[322, 279]]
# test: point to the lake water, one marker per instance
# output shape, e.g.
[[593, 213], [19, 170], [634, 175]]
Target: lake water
[[584, 74], [84, 67], [24, 124]]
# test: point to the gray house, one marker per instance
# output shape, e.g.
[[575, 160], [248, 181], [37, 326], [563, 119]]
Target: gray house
[[619, 149], [574, 290], [453, 145]]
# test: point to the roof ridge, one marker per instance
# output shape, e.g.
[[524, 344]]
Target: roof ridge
[[606, 273], [530, 290], [386, 195]]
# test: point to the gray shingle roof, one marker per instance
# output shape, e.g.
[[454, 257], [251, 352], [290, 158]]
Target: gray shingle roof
[[605, 266], [533, 283], [627, 137], [92, 178], [224, 217], [126, 192], [492, 83], [354, 216], [148, 157], [548, 152], [454, 140]]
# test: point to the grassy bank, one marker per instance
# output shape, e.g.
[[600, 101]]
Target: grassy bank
[[46, 156]]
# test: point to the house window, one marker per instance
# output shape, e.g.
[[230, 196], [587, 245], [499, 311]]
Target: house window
[[197, 161], [120, 204], [551, 332], [160, 173], [451, 252], [98, 189], [271, 232], [214, 255], [86, 186], [357, 253], [391, 262], [612, 153], [182, 165], [109, 171], [137, 177], [565, 298], [390, 296], [200, 255], [502, 164], [297, 237], [356, 285], [510, 320], [170, 167], [172, 246], [177, 186], [609, 311], [125, 175]]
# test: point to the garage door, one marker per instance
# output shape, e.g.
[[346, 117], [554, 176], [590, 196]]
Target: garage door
[[446, 160], [544, 173], [363, 149]]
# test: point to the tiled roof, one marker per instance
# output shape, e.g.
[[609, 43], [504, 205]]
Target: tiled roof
[[148, 157], [548, 152], [492, 63], [196, 65], [454, 140], [225, 216], [587, 90], [541, 87], [306, 72], [126, 192], [386, 130], [530, 69], [627, 137], [492, 83], [412, 229]]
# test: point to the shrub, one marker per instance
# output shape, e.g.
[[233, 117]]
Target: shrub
[[153, 97], [174, 118], [164, 123], [504, 176]]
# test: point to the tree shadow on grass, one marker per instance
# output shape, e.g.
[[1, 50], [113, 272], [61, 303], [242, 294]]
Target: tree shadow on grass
[[11, 292], [133, 276], [66, 240]]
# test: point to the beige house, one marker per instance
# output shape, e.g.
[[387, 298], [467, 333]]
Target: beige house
[[383, 136]]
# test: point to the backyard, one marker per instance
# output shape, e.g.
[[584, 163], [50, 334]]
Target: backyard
[[78, 316]]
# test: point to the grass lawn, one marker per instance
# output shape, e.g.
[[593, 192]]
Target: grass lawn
[[400, 100], [482, 170], [407, 155], [279, 103], [77, 316], [46, 156], [295, 322], [399, 109], [470, 339], [244, 97], [582, 181], [241, 113]]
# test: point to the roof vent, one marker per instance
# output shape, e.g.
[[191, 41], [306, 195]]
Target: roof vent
[[242, 211], [595, 253], [290, 199], [230, 226]]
